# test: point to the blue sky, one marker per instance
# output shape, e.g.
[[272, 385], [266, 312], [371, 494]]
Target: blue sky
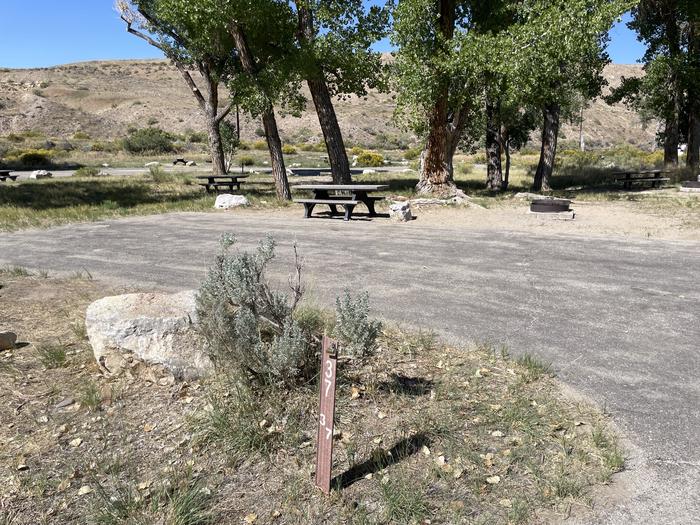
[[42, 33]]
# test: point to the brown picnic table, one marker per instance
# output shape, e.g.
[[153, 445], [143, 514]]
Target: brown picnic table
[[6, 174], [346, 195], [630, 177], [217, 182]]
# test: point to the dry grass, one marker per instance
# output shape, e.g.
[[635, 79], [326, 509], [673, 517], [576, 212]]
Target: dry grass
[[423, 431]]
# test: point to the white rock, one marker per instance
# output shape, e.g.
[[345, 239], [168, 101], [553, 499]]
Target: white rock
[[226, 201], [40, 174], [150, 164], [7, 340], [524, 195], [400, 211], [152, 327], [105, 165], [191, 163], [369, 172]]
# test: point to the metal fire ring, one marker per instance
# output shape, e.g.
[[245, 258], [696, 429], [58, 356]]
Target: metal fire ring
[[550, 205]]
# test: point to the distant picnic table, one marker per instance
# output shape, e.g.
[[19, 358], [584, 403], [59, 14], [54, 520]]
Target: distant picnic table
[[346, 195], [630, 177], [6, 174], [218, 182]]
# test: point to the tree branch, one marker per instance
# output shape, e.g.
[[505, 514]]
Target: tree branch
[[225, 112]]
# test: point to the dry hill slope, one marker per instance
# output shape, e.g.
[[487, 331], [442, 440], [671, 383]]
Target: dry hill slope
[[103, 99]]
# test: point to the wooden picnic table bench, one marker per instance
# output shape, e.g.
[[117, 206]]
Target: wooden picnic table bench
[[217, 182], [352, 195], [6, 174], [640, 176]]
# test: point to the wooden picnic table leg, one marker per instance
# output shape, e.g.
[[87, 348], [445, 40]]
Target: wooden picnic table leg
[[308, 208]]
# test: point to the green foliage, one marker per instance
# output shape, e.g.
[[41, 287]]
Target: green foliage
[[81, 135], [90, 396], [148, 140], [197, 137], [355, 330], [288, 149], [86, 171], [229, 142], [250, 327], [412, 153], [260, 145], [370, 158], [246, 160], [31, 158], [52, 355]]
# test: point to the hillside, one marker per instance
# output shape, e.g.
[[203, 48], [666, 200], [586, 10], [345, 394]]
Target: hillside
[[103, 99]]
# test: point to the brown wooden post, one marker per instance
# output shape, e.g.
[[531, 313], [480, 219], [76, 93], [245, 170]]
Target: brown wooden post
[[324, 442]]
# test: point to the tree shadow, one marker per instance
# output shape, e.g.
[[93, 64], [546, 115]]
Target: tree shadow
[[408, 386], [401, 450], [56, 194]]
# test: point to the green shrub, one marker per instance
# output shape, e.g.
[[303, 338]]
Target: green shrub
[[370, 158], [87, 171], [32, 158], [97, 146], [149, 140], [288, 149], [412, 153], [356, 150], [197, 137], [260, 145], [250, 328], [353, 327], [81, 135], [12, 137], [465, 168], [245, 160]]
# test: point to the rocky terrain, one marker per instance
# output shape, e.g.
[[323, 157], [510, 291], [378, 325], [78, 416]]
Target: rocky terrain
[[103, 99]]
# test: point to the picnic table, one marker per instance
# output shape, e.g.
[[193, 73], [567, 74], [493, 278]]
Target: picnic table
[[640, 176], [346, 195], [5, 174], [217, 182]]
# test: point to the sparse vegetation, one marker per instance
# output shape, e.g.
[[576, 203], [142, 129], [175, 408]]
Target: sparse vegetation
[[52, 355]]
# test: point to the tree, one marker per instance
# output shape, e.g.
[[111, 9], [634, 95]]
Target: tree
[[564, 64], [435, 94], [189, 41], [335, 37], [669, 91]]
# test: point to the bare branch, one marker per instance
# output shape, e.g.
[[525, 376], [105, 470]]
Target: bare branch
[[295, 282], [225, 112]]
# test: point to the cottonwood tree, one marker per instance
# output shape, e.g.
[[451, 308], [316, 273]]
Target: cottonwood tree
[[335, 39], [192, 43], [455, 57], [435, 93], [563, 55], [669, 91]]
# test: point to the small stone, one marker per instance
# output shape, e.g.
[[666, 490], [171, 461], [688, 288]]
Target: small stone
[[7, 340], [85, 489], [22, 467], [65, 403], [505, 503], [75, 443], [191, 163], [493, 480], [42, 419], [497, 434]]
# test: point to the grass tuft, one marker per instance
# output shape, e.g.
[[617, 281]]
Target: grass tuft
[[90, 396], [52, 355], [15, 271], [535, 369]]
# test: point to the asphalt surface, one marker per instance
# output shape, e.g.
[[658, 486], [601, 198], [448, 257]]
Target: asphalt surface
[[618, 318]]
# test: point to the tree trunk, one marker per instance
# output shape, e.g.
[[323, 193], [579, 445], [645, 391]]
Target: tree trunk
[[436, 173], [337, 156], [505, 142], [274, 144], [548, 151], [671, 139], [692, 158], [216, 147], [494, 173]]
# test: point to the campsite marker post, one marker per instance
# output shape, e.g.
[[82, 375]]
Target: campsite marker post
[[324, 442]]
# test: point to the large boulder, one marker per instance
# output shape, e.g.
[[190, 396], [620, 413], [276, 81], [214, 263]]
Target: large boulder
[[151, 327], [226, 201], [401, 211], [40, 174]]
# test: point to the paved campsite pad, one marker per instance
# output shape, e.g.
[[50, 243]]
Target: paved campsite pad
[[618, 318]]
